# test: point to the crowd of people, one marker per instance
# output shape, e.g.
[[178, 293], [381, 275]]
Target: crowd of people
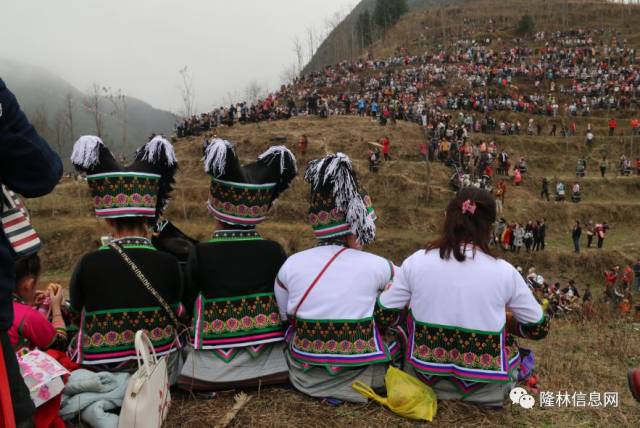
[[569, 74], [236, 311]]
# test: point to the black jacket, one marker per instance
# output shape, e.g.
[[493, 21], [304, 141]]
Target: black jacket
[[29, 167]]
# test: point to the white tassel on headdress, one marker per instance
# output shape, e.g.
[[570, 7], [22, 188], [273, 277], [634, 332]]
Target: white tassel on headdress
[[362, 225], [152, 151], [86, 152], [215, 156], [282, 152], [337, 170]]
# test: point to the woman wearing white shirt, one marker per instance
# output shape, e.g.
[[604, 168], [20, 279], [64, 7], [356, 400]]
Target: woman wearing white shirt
[[459, 297]]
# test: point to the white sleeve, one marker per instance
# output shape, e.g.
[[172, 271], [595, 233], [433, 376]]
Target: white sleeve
[[281, 292], [521, 302], [398, 294]]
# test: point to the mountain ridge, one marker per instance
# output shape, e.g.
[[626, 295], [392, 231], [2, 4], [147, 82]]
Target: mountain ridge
[[44, 95]]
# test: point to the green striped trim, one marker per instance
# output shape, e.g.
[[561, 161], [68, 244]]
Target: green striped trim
[[101, 349], [244, 185], [117, 311], [248, 296], [214, 240], [130, 247], [122, 174]]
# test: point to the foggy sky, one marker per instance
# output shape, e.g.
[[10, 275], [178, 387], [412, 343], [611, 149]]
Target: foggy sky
[[139, 45]]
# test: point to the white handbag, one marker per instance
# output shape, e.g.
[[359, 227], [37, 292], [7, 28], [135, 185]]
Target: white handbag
[[147, 400]]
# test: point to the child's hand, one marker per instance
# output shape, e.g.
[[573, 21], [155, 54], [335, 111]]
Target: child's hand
[[41, 296], [55, 294]]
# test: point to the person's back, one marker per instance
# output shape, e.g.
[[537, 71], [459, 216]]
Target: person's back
[[28, 166], [114, 304], [464, 306]]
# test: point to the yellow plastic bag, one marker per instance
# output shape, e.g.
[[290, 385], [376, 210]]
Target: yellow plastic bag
[[406, 395]]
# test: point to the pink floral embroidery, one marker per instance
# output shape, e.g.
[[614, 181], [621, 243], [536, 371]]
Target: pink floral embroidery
[[318, 345], [136, 198], [439, 353], [360, 345], [121, 199], [232, 324], [485, 360], [331, 345], [313, 219], [107, 200], [469, 358], [217, 325], [246, 321], [242, 209], [324, 217]]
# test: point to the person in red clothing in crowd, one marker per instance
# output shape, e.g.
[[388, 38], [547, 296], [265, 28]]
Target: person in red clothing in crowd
[[638, 166], [517, 177], [635, 126], [303, 143], [610, 280], [386, 145], [424, 152], [613, 124]]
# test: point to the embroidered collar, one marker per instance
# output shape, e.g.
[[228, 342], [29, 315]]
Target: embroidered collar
[[132, 242], [325, 242], [236, 235]]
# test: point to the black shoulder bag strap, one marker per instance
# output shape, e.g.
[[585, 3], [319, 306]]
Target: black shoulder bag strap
[[145, 282]]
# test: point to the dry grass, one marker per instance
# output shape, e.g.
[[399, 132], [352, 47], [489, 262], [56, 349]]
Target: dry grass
[[575, 357]]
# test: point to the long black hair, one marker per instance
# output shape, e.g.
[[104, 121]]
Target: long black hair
[[469, 220]]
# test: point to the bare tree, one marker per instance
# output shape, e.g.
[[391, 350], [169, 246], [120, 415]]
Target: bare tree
[[118, 101], [69, 115], [39, 120], [187, 92], [253, 92], [289, 75], [59, 126], [299, 51], [92, 103], [311, 42]]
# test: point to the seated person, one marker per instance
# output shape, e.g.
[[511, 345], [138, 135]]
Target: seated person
[[237, 338], [110, 301], [37, 319], [460, 337], [328, 292]]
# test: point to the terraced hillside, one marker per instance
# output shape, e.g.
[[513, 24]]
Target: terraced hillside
[[587, 356], [410, 196]]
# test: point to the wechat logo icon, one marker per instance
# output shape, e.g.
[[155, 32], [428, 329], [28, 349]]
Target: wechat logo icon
[[521, 397]]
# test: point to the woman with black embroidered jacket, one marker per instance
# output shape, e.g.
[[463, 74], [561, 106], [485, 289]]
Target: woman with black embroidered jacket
[[465, 306], [236, 333], [110, 301]]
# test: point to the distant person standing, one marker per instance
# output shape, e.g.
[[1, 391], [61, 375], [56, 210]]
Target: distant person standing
[[544, 192], [576, 233], [613, 124], [30, 167], [542, 234], [386, 148], [603, 166], [600, 231]]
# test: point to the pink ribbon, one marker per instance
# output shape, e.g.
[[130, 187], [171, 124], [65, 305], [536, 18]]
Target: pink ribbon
[[468, 206]]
